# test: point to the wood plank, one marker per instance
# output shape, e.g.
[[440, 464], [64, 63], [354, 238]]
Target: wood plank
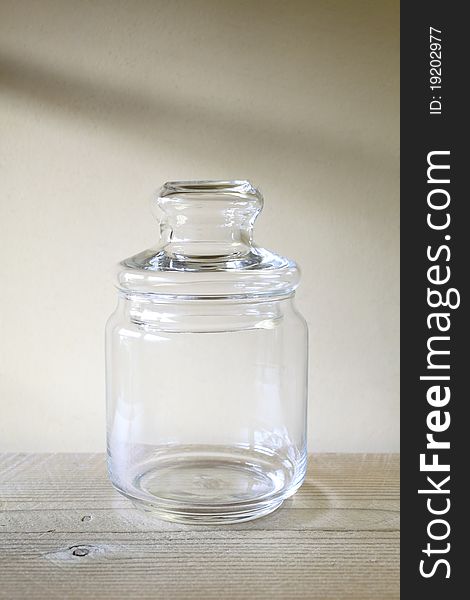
[[66, 533]]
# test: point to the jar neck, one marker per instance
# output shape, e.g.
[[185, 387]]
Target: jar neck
[[204, 316]]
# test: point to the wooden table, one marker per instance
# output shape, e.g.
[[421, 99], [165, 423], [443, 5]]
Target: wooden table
[[65, 533]]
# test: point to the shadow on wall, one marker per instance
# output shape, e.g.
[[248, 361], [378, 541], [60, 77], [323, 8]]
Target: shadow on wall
[[134, 112]]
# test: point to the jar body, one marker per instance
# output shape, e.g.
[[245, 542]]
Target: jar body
[[206, 405]]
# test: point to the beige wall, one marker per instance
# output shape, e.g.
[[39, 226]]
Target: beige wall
[[103, 101]]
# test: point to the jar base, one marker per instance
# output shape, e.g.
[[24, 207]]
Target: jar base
[[206, 516], [208, 485]]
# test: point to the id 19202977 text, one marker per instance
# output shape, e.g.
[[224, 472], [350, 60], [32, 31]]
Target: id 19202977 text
[[435, 71]]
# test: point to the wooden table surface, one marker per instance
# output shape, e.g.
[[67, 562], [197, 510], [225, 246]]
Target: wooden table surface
[[65, 533]]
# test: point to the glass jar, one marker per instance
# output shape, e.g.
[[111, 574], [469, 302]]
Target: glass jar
[[207, 364]]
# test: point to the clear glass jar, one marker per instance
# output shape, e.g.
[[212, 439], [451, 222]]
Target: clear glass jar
[[207, 364]]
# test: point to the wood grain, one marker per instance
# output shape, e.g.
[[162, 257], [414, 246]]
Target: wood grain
[[65, 533]]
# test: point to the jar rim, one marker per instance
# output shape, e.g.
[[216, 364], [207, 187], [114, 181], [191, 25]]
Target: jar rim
[[239, 187]]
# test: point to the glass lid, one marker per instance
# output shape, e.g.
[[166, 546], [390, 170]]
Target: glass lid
[[206, 247]]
